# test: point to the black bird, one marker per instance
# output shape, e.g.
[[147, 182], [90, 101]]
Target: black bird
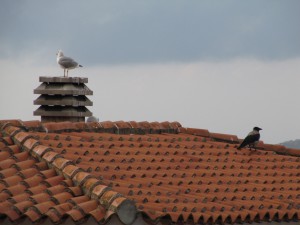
[[252, 138]]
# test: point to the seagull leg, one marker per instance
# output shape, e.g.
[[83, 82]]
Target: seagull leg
[[64, 72]]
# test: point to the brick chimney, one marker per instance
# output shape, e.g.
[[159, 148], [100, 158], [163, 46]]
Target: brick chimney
[[63, 99]]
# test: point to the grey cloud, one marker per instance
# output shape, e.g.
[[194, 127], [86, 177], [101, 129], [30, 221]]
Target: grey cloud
[[113, 32]]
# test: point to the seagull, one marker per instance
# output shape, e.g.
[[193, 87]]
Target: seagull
[[66, 63], [252, 138]]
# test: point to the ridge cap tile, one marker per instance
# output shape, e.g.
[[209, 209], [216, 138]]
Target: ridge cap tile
[[11, 131], [50, 156], [60, 163], [70, 170]]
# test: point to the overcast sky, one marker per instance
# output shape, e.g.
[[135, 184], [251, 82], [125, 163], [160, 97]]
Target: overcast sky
[[225, 66]]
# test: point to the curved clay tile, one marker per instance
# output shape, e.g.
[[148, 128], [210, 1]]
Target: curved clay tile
[[55, 189], [156, 126], [21, 207], [21, 156], [75, 191], [7, 141], [32, 125], [10, 181], [61, 197], [32, 181], [88, 206], [39, 198], [15, 123], [76, 214], [37, 211], [61, 163], [56, 213], [40, 150], [52, 181], [167, 125], [36, 189], [144, 125], [177, 124], [24, 164], [7, 172], [30, 172], [93, 126], [121, 124], [107, 124], [99, 214], [293, 152], [18, 197], [59, 126], [225, 137], [82, 125], [71, 170], [50, 156]]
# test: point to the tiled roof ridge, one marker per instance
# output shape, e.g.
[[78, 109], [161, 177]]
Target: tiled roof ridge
[[114, 202], [233, 139], [117, 127], [144, 127]]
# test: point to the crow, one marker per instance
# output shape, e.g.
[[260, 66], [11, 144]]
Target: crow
[[252, 139]]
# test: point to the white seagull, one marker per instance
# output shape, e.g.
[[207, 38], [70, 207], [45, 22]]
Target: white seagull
[[66, 63]]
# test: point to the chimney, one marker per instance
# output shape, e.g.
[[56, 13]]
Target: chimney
[[63, 99]]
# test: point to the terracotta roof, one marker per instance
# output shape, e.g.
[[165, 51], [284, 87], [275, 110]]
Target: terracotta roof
[[142, 170]]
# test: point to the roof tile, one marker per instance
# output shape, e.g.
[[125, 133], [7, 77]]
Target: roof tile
[[24, 164], [70, 171], [98, 214], [193, 176], [57, 212], [12, 214], [90, 184], [76, 214], [61, 163], [107, 198], [53, 181], [61, 126], [61, 197], [81, 177], [5, 123], [99, 190], [293, 152], [50, 156], [224, 137], [30, 143], [21, 137], [6, 163], [11, 130], [40, 150], [195, 131], [32, 125]]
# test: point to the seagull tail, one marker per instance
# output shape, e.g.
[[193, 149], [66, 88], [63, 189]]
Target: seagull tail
[[80, 66]]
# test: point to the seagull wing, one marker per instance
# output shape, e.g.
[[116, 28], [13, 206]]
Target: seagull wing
[[67, 62]]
